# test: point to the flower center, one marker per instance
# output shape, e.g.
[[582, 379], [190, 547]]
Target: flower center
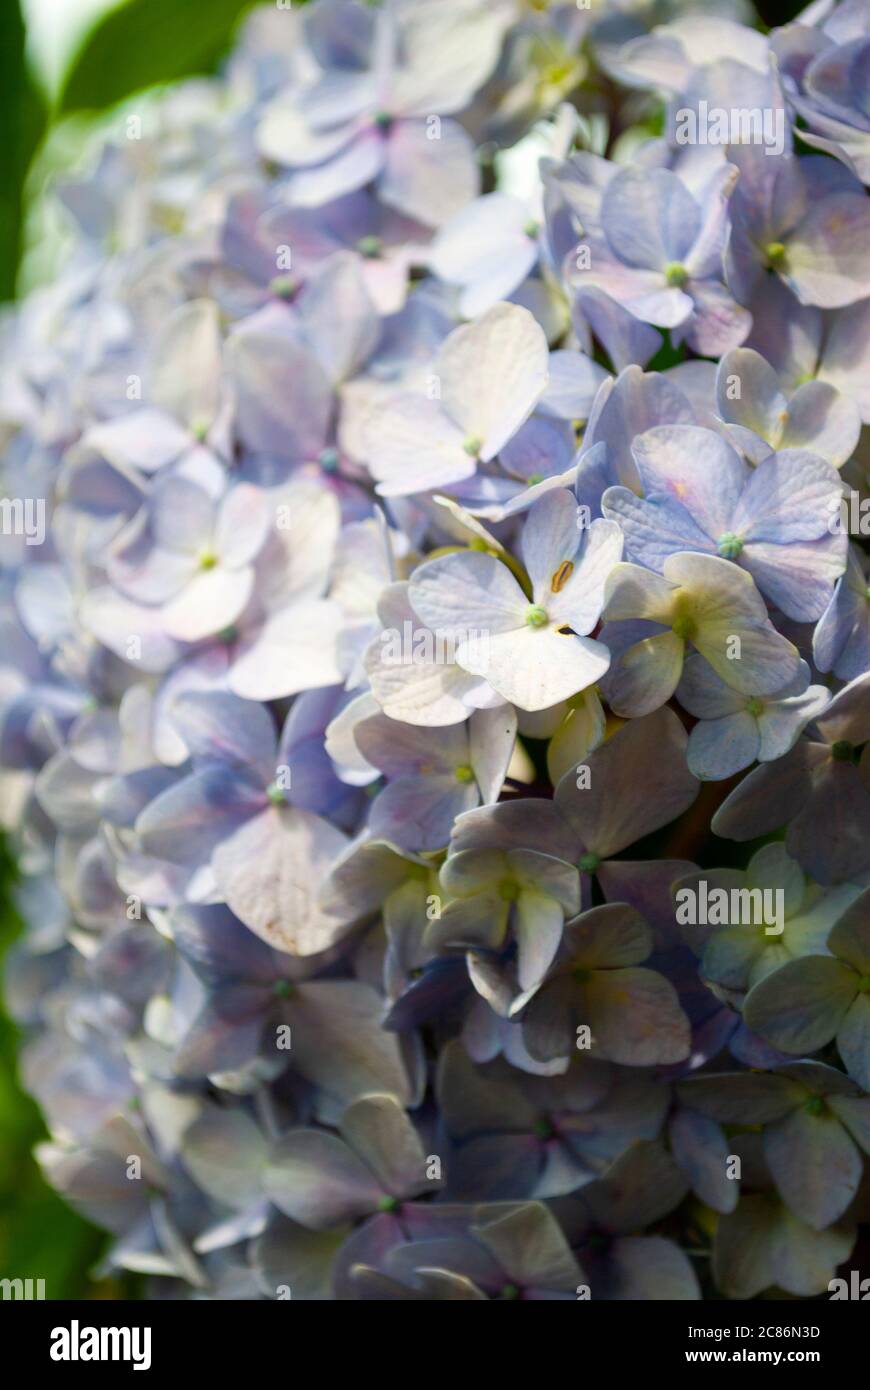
[[284, 287], [207, 560], [463, 773], [473, 445], [676, 274], [684, 627], [388, 1204], [328, 461], [842, 750], [774, 254], [508, 891], [283, 989], [536, 616], [729, 545], [814, 1106], [276, 794], [588, 863], [371, 247], [755, 707]]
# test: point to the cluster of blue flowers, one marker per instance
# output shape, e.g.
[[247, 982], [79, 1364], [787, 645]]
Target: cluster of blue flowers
[[435, 552]]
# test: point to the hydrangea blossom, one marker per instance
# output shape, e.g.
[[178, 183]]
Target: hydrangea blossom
[[434, 554]]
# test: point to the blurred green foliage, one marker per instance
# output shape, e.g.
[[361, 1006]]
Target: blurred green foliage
[[40, 1237], [146, 42], [141, 44], [24, 118]]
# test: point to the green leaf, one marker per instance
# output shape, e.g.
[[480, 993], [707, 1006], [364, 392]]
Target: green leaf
[[40, 1237], [22, 118], [148, 42]]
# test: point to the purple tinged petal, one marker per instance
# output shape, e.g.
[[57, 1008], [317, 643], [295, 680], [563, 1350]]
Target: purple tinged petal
[[815, 1165], [651, 218], [412, 446], [704, 694], [782, 721], [635, 1017], [644, 1267], [573, 384], [853, 1041], [825, 258], [283, 400], [466, 593], [541, 447], [798, 577], [209, 603], [720, 747], [340, 1044], [417, 811], [218, 727], [624, 338], [270, 871], [608, 815], [791, 496], [355, 161], [147, 439], [645, 676], [538, 930], [844, 362], [800, 1007], [763, 1245], [769, 796], [296, 649], [225, 1153], [841, 641], [824, 421], [493, 372], [184, 823], [850, 938], [718, 323], [491, 740], [748, 393], [314, 1178], [654, 527], [485, 249], [378, 1129], [210, 939], [531, 1248], [695, 467], [339, 318], [430, 180], [186, 376]]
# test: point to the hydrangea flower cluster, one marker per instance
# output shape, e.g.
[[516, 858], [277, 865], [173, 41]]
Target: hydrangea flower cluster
[[435, 704]]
